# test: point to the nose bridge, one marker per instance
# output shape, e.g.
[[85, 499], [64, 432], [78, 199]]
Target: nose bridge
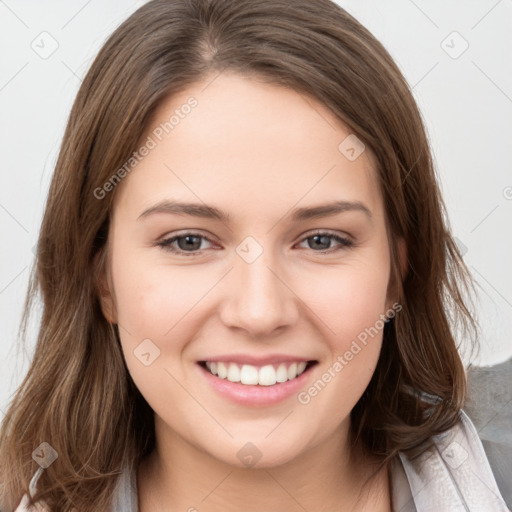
[[258, 300]]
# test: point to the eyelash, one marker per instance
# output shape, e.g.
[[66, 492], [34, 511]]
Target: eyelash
[[345, 243]]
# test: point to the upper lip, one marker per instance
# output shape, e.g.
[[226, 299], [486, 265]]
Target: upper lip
[[256, 360]]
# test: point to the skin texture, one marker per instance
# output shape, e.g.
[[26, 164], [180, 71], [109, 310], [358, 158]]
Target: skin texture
[[256, 151]]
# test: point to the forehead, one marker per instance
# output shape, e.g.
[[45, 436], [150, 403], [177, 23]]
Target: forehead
[[248, 147]]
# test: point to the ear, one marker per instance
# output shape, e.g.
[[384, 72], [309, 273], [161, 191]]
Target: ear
[[403, 267], [105, 288], [107, 302]]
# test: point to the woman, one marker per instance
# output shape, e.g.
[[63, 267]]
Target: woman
[[247, 281]]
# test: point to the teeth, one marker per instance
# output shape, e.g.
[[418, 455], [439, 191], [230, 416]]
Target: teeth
[[292, 371], [282, 373], [222, 371], [267, 376], [233, 373], [248, 374], [212, 367]]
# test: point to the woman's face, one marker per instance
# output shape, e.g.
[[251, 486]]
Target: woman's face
[[251, 293]]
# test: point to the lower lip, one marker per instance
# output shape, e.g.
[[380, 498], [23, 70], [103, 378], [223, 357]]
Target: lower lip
[[256, 395]]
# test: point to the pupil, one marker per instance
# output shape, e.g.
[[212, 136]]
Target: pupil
[[189, 244], [326, 240]]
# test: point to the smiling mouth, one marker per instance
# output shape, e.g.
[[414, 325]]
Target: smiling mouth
[[250, 375]]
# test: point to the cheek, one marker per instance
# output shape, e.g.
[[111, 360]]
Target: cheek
[[349, 301], [157, 301], [155, 307], [353, 309], [352, 301], [350, 305], [152, 298]]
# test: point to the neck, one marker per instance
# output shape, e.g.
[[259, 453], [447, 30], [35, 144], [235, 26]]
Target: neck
[[329, 476]]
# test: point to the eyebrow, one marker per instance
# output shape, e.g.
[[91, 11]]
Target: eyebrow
[[210, 212]]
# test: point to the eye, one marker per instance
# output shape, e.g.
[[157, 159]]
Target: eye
[[189, 243], [322, 238]]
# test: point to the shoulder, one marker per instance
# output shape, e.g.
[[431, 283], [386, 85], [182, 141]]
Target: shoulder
[[125, 496], [124, 500], [453, 473], [24, 505]]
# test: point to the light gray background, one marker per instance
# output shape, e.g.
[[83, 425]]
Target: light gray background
[[466, 101]]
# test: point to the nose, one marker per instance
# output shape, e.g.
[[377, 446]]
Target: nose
[[258, 298]]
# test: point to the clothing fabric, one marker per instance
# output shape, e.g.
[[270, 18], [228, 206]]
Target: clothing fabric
[[453, 475]]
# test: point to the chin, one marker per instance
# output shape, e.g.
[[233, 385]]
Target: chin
[[260, 453]]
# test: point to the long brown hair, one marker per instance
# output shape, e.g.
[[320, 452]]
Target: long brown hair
[[78, 395]]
